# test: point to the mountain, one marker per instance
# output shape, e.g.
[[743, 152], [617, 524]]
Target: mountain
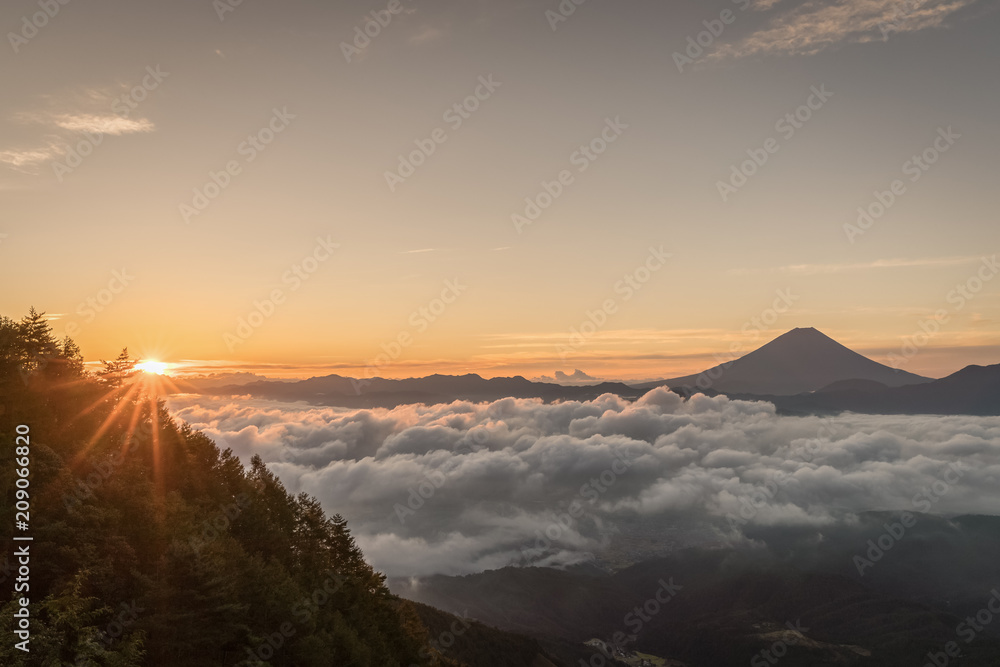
[[726, 606], [382, 393], [799, 361], [974, 390], [802, 372]]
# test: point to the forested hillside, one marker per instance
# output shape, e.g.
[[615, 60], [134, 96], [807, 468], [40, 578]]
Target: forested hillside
[[153, 547]]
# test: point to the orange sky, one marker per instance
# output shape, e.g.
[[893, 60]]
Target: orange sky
[[250, 197]]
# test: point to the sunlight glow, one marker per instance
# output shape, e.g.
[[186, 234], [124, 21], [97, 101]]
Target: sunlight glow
[[152, 366]]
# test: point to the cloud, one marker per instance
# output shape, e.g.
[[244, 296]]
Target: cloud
[[817, 25], [426, 34], [826, 269], [104, 123], [576, 377], [28, 160], [464, 487], [65, 120]]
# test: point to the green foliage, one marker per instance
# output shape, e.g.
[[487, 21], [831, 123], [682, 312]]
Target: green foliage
[[153, 547]]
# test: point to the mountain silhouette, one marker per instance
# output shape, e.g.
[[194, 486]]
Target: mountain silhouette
[[974, 390], [802, 372], [387, 393], [799, 361]]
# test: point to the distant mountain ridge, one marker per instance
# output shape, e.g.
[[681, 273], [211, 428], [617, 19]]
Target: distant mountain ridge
[[802, 372], [974, 390], [385, 393], [732, 600]]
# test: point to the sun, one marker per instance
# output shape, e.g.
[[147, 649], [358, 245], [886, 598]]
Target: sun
[[152, 366]]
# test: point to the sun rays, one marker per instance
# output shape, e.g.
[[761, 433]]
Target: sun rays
[[134, 389]]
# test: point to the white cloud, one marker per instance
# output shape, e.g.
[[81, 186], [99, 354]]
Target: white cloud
[[426, 34], [576, 377], [28, 160], [487, 482], [67, 119], [104, 123]]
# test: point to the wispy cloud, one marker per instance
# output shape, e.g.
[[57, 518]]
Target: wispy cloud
[[825, 269], [104, 123], [28, 160], [426, 34], [816, 25], [64, 119]]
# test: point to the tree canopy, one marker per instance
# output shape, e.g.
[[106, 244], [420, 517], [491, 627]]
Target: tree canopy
[[154, 547]]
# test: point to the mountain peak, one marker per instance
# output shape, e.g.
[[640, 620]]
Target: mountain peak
[[798, 361]]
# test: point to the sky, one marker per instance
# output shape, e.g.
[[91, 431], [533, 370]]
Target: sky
[[628, 190]]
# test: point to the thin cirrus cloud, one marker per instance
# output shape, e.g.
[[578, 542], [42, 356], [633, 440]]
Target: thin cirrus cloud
[[29, 159], [63, 128], [814, 26], [104, 123], [826, 269]]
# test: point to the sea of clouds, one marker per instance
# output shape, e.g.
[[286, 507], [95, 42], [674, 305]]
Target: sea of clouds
[[466, 487]]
